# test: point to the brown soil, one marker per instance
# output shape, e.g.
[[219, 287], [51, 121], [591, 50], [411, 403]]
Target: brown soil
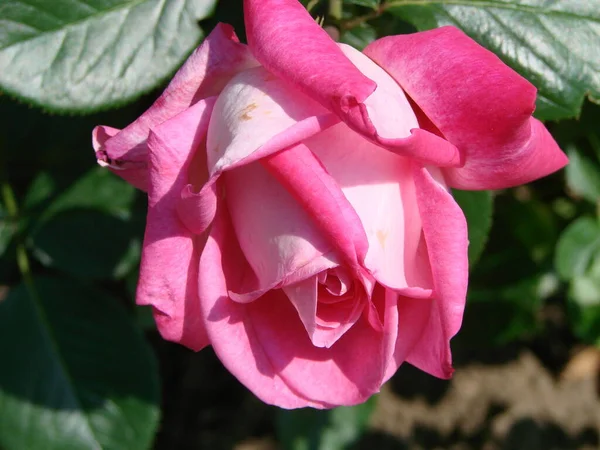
[[514, 403], [539, 394]]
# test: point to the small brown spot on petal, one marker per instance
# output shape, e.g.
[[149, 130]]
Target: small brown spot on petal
[[382, 237], [245, 113]]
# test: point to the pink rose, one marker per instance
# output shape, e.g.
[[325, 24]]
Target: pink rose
[[300, 219]]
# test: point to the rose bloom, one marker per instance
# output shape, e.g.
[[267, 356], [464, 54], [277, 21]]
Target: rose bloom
[[300, 218]]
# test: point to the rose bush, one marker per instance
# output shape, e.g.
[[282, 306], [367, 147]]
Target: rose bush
[[300, 219]]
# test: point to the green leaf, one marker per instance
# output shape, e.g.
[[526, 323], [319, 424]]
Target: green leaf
[[7, 229], [88, 243], [360, 36], [585, 290], [533, 225], [584, 303], [86, 55], [555, 44], [576, 247], [583, 175], [313, 429], [76, 374], [478, 208], [97, 189], [88, 230], [40, 190]]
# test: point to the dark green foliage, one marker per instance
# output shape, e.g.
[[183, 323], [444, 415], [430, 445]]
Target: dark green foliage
[[310, 429], [76, 374], [76, 371]]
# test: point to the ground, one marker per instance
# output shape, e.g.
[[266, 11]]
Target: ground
[[540, 394]]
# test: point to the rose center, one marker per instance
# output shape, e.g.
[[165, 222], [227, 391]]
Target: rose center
[[335, 285], [336, 298]]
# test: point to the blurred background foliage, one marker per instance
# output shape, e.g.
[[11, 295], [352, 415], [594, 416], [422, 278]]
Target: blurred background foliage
[[82, 368]]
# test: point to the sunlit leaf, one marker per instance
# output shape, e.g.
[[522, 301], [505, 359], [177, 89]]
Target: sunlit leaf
[[555, 44], [85, 55]]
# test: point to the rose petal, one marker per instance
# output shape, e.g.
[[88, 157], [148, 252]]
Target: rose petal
[[391, 122], [347, 373], [169, 267], [254, 109], [445, 230], [479, 104], [301, 173], [412, 318], [307, 58], [229, 325], [278, 238], [324, 323], [132, 169], [380, 188], [204, 74]]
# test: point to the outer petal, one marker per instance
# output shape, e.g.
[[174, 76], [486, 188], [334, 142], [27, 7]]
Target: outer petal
[[308, 57], [169, 268], [204, 74], [367, 99], [391, 122], [258, 114], [411, 316], [445, 231], [132, 169], [478, 103], [347, 373]]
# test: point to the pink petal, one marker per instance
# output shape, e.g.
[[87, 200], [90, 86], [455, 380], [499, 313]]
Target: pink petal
[[301, 173], [132, 168], [379, 186], [368, 100], [258, 114], [412, 318], [278, 238], [170, 257], [203, 75], [229, 326], [306, 57], [255, 116], [445, 230], [324, 322], [347, 373], [477, 102], [389, 119]]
